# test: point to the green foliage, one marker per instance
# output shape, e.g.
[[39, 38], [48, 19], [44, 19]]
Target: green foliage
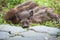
[[2, 20], [42, 2], [49, 23], [51, 3], [10, 3]]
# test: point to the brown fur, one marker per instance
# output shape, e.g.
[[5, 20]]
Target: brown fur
[[43, 14], [51, 13], [30, 12], [11, 14], [27, 6], [25, 17]]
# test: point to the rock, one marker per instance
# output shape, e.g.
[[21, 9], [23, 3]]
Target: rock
[[31, 35], [12, 29], [4, 35], [45, 29], [15, 38], [57, 38]]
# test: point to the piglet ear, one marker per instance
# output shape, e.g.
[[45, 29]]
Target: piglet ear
[[31, 13]]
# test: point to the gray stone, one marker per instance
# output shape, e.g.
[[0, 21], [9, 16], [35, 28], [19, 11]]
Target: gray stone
[[57, 38], [31, 35], [4, 35], [12, 29], [45, 29]]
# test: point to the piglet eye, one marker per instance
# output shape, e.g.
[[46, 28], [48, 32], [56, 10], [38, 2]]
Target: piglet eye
[[28, 17]]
